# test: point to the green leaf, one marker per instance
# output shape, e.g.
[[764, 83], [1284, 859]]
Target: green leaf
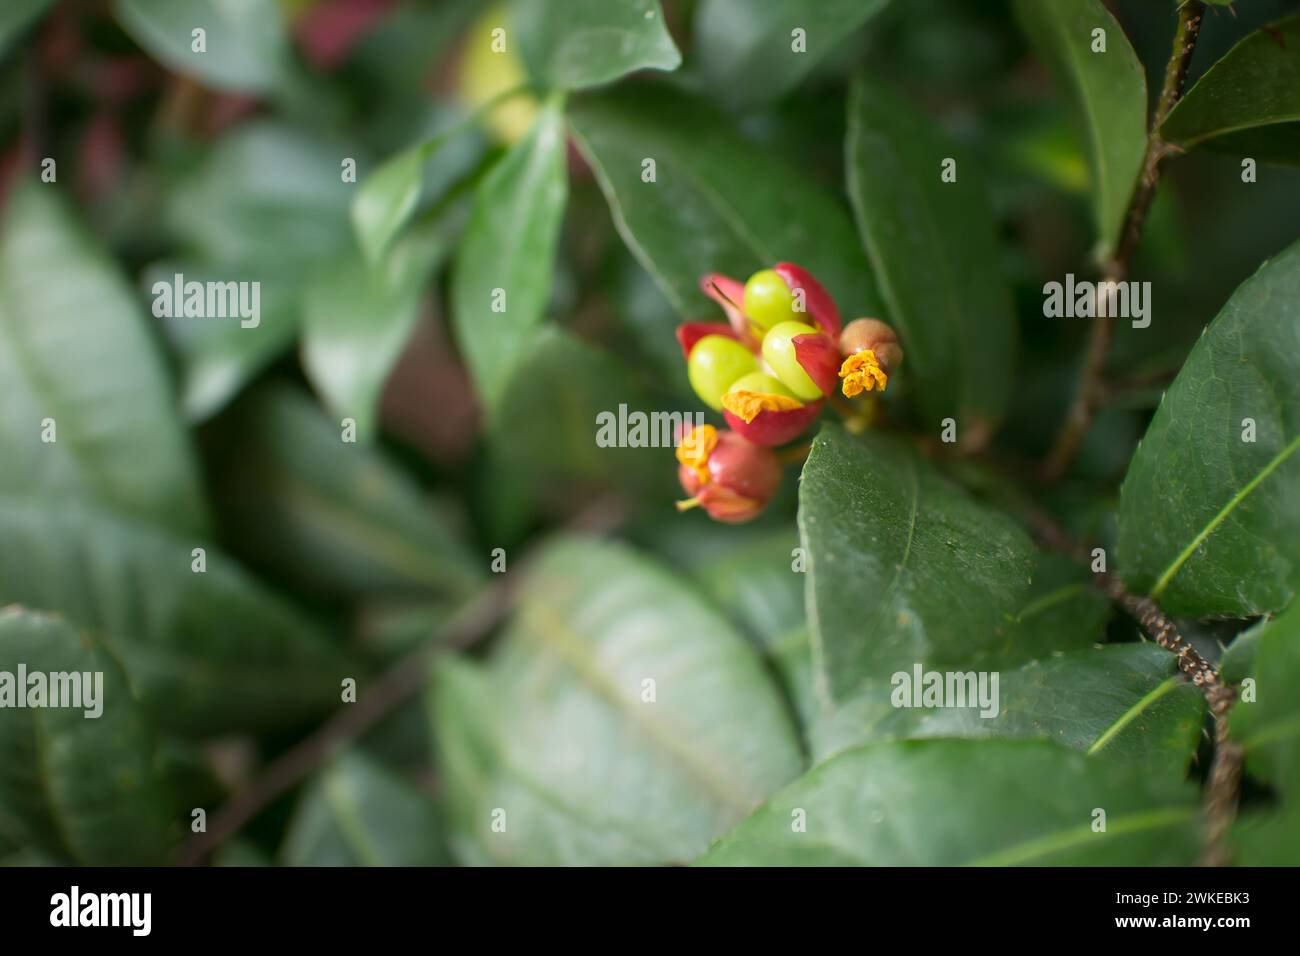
[[17, 16], [583, 385], [713, 206], [968, 803], [1109, 90], [934, 248], [79, 787], [1209, 522], [1254, 88], [564, 738], [74, 349], [357, 320], [1238, 658], [1268, 727], [501, 282], [570, 44], [388, 197], [1124, 702], [206, 652], [335, 518], [219, 357], [903, 566], [747, 50], [1063, 611], [1267, 839], [246, 46], [269, 198], [358, 813]]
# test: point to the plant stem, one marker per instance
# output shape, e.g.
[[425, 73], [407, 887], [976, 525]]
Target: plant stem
[[474, 620], [1087, 398]]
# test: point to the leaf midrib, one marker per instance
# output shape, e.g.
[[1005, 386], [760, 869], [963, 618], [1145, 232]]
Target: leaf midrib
[[1167, 576]]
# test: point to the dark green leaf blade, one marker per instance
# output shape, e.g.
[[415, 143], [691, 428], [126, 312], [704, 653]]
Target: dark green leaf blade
[[749, 51], [1125, 702], [968, 802], [359, 813], [934, 248], [1255, 85], [1268, 727], [572, 731], [1109, 90], [902, 565], [206, 651], [245, 49], [335, 518], [88, 789], [1209, 520], [572, 44], [74, 348], [501, 281], [713, 205]]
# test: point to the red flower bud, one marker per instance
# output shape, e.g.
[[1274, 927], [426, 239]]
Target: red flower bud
[[725, 475], [821, 308]]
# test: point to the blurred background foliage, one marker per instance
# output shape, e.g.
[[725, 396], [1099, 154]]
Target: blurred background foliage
[[327, 559]]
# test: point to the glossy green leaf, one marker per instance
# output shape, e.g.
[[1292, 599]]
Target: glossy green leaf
[[1109, 91], [76, 356], [567, 742], [390, 195], [1062, 611], [1254, 88], [1268, 727], [750, 51], [206, 652], [571, 44], [501, 282], [968, 803], [82, 788], [1267, 838], [1125, 701], [713, 205], [17, 16], [903, 566], [357, 319], [1210, 520], [245, 44], [334, 518], [358, 813], [934, 248]]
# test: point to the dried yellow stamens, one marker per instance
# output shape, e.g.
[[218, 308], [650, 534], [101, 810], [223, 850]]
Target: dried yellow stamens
[[862, 373], [747, 405], [695, 448]]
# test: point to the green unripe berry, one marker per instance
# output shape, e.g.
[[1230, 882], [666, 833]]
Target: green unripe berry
[[768, 300], [762, 383], [778, 352], [716, 361]]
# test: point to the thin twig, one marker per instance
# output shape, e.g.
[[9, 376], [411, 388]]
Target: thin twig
[[1087, 398], [407, 676], [1219, 806]]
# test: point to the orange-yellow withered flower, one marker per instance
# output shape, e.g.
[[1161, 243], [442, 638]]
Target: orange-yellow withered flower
[[730, 478]]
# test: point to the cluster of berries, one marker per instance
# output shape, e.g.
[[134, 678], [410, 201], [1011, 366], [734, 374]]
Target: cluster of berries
[[782, 353]]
